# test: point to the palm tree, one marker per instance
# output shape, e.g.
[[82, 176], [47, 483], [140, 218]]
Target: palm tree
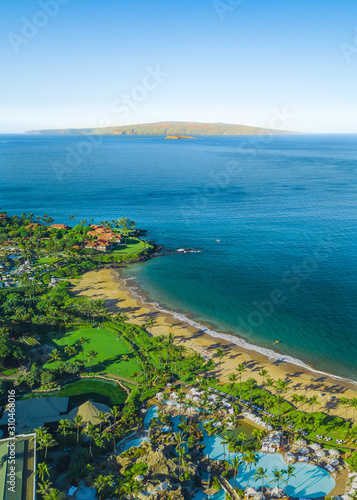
[[91, 432], [263, 373], [251, 382], [64, 424], [261, 474], [241, 368], [44, 487], [77, 421], [91, 355], [250, 458], [42, 471], [312, 402], [236, 464], [103, 483], [295, 398], [181, 456], [258, 434], [278, 476], [290, 473], [219, 355], [115, 413], [150, 323], [242, 437], [233, 378], [225, 441], [102, 418], [55, 355], [47, 442], [81, 342], [279, 400], [54, 494], [270, 383], [179, 438]]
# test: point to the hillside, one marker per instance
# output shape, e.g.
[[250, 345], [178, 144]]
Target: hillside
[[167, 128]]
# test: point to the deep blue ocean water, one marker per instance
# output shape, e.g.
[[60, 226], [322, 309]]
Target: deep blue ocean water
[[283, 208]]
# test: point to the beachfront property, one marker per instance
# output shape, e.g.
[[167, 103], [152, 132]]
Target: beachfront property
[[17, 467]]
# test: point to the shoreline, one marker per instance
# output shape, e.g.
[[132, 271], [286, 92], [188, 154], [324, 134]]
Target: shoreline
[[111, 286], [236, 340]]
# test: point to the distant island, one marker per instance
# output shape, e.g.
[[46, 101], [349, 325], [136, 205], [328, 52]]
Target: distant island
[[179, 137], [182, 129]]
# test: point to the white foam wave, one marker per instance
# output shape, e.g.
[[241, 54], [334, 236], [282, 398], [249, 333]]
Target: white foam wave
[[269, 353]]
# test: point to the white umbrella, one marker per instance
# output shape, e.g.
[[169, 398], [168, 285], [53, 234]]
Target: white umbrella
[[163, 486], [300, 442], [320, 453], [140, 477], [277, 492], [250, 492], [334, 453], [333, 461], [170, 402], [315, 446], [304, 450]]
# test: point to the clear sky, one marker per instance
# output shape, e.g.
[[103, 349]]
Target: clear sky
[[92, 62]]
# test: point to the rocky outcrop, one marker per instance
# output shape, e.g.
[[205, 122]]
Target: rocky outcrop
[[162, 469]]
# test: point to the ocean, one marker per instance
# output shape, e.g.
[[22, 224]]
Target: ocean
[[274, 218]]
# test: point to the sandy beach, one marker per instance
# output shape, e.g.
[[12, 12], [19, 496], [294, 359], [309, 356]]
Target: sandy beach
[[105, 284]]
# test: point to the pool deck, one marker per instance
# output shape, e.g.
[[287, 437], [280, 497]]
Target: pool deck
[[340, 486]]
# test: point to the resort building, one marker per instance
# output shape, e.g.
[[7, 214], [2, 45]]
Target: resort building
[[37, 412]]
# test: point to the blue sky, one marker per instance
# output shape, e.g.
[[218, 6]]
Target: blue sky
[[220, 61]]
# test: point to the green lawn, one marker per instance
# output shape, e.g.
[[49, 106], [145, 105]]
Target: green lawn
[[47, 260], [79, 392], [109, 349], [133, 245]]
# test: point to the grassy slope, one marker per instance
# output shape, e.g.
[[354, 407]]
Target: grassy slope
[[110, 351]]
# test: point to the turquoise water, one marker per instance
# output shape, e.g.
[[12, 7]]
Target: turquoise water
[[310, 481], [284, 212]]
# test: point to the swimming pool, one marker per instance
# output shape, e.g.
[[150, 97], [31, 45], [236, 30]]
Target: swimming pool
[[310, 481]]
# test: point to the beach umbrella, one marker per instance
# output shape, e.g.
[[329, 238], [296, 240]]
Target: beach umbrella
[[334, 453], [315, 446], [304, 450], [289, 456], [250, 492], [277, 492], [333, 461], [320, 453], [140, 477], [170, 403], [300, 442], [163, 486]]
